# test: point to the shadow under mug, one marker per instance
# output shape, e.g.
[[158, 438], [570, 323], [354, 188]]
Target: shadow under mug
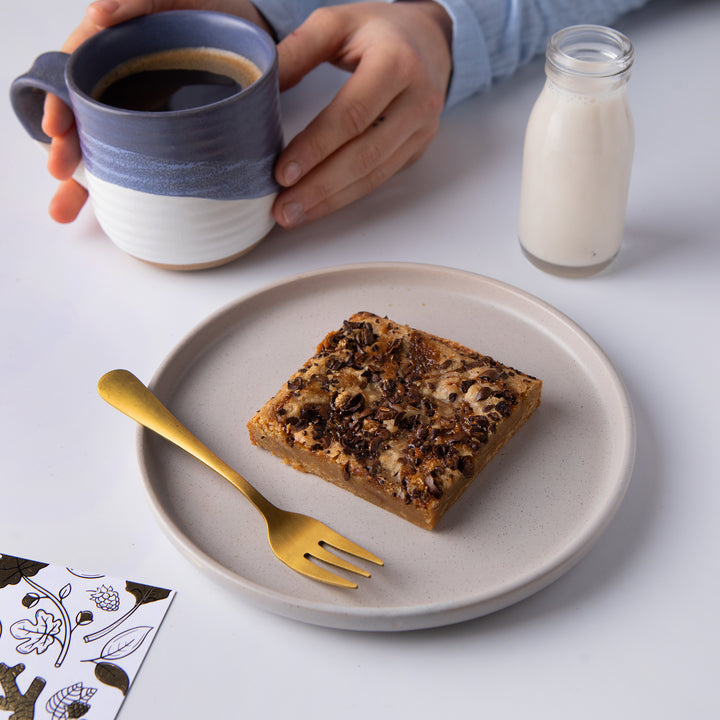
[[183, 189]]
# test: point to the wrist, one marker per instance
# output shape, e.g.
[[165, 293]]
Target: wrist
[[437, 13]]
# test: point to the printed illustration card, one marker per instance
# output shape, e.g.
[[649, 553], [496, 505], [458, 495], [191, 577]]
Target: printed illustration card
[[71, 642]]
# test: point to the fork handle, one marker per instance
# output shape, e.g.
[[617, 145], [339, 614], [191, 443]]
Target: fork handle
[[122, 390]]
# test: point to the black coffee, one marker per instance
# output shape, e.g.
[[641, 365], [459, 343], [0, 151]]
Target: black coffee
[[176, 80]]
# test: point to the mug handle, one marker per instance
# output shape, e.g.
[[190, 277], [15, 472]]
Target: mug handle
[[27, 92], [27, 96]]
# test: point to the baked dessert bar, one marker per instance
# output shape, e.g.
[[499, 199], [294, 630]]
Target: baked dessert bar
[[397, 416]]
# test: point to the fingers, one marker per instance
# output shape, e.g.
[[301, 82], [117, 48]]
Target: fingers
[[64, 153], [99, 15], [58, 118], [314, 198], [317, 40], [381, 120], [67, 202], [358, 104], [358, 142], [64, 156], [376, 81], [104, 13], [390, 144], [356, 169]]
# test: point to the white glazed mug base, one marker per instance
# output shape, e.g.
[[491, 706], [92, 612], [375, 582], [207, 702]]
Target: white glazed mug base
[[182, 233]]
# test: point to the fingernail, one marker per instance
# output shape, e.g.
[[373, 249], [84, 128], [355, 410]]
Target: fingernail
[[105, 6], [292, 173], [293, 214]]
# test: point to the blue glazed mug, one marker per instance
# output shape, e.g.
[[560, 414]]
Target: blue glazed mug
[[181, 188]]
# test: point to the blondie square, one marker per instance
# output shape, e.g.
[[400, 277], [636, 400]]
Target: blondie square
[[397, 416]]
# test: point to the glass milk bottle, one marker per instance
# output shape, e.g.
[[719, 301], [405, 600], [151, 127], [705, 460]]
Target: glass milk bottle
[[578, 154]]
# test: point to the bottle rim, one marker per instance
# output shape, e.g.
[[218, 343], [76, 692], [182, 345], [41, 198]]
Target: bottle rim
[[590, 50]]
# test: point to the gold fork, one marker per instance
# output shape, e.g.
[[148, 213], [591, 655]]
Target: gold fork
[[293, 538]]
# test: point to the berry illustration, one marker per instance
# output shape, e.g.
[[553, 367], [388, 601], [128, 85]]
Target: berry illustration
[[105, 598]]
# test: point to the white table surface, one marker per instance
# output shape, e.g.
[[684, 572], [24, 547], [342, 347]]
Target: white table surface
[[630, 632]]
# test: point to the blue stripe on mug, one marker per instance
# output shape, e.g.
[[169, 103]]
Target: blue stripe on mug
[[211, 179]]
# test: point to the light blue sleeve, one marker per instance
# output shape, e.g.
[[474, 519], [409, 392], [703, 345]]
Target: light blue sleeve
[[491, 38]]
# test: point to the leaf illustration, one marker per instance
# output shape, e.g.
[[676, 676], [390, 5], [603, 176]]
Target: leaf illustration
[[143, 594], [14, 569], [125, 643], [37, 636], [146, 593], [112, 675], [70, 702], [65, 590]]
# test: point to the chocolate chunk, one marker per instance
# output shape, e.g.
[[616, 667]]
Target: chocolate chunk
[[296, 384], [334, 364], [432, 486], [466, 465], [367, 335], [352, 404], [428, 406]]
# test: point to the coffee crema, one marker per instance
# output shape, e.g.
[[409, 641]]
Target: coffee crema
[[177, 79]]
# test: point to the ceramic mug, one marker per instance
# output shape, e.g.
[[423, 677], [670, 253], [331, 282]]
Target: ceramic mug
[[184, 189]]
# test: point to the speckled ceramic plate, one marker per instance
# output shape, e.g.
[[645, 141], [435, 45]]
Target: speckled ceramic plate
[[531, 515]]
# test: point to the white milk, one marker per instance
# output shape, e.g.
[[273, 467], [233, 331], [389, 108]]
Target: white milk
[[577, 159]]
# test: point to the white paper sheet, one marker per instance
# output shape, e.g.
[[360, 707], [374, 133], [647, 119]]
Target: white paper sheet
[[71, 641]]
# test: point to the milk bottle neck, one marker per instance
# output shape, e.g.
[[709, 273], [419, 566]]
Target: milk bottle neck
[[589, 59]]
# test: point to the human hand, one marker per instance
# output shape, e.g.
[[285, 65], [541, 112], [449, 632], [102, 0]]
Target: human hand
[[58, 120], [381, 120]]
